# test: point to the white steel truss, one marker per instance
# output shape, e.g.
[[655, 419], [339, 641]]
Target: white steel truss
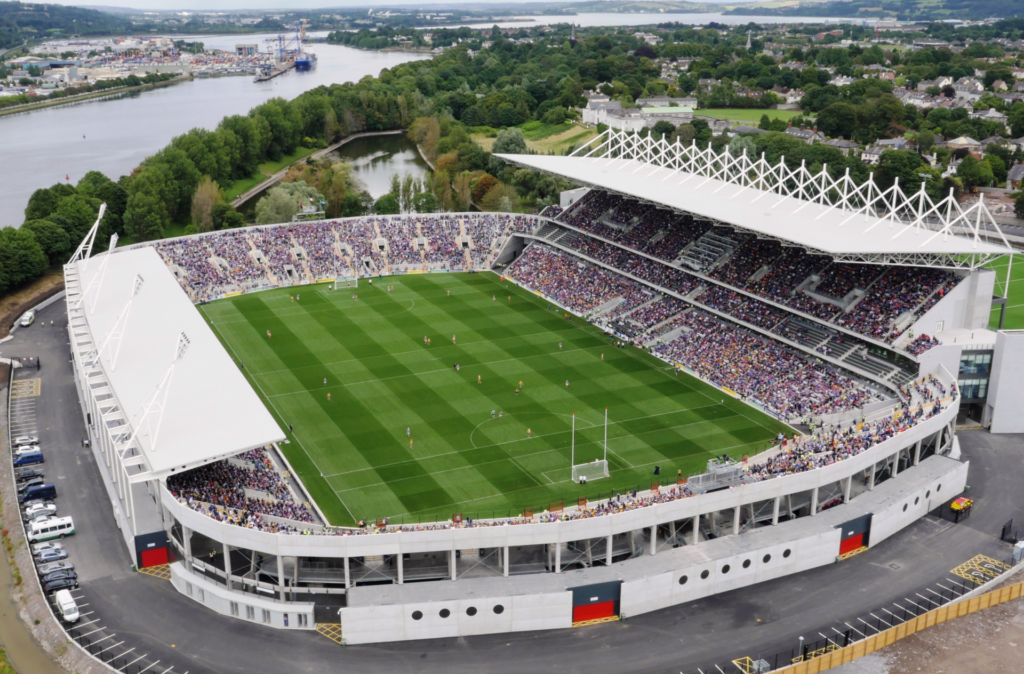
[[915, 213]]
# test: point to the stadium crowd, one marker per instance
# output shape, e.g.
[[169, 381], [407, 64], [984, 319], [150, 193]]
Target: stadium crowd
[[757, 266], [922, 343], [245, 259]]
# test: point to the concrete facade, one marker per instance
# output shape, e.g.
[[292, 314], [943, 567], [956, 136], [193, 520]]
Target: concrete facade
[[1006, 387]]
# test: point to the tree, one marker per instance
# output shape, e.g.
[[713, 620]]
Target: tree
[[510, 141], [483, 186], [54, 241], [331, 129], [44, 201], [684, 133], [765, 123], [206, 196], [1018, 206], [424, 202], [838, 120], [77, 215], [284, 201], [21, 258], [739, 144], [501, 198], [925, 142], [225, 216], [973, 173], [662, 129], [1016, 119], [387, 205]]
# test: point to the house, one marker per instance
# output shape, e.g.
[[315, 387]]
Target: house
[[743, 128], [665, 102], [596, 111], [847, 147], [951, 169], [993, 140], [1015, 176], [939, 82], [789, 96], [963, 143], [647, 37], [990, 115], [999, 85], [1016, 143], [806, 135], [841, 80], [895, 144], [872, 154], [624, 119]]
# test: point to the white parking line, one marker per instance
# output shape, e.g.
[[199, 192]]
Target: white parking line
[[119, 643], [100, 629], [149, 667]]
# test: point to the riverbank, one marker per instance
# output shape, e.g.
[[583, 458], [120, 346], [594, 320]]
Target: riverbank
[[276, 177], [119, 91]]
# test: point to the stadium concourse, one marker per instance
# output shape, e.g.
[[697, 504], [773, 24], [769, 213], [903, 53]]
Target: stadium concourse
[[837, 331]]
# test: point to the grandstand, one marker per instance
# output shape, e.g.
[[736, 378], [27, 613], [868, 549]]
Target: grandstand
[[812, 318]]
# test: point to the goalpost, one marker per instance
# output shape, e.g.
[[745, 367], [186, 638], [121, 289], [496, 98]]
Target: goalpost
[[345, 282], [592, 470]]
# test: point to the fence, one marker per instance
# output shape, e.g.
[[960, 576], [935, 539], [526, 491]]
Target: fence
[[840, 656]]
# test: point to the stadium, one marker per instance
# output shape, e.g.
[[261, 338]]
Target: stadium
[[698, 373]]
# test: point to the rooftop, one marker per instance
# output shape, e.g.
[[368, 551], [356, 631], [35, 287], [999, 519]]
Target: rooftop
[[827, 229], [210, 412]]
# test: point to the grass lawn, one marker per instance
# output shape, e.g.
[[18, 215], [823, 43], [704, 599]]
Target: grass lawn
[[267, 169], [352, 451], [544, 138], [750, 116], [1014, 319]]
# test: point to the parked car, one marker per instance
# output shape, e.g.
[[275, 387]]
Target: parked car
[[66, 606], [45, 490], [29, 459], [36, 501], [55, 566], [51, 556], [22, 474], [57, 575], [39, 547], [38, 517], [25, 449], [49, 528], [26, 440], [28, 318], [40, 508], [60, 584], [31, 482]]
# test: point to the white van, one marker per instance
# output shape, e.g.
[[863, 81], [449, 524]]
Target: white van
[[28, 318], [66, 606], [55, 527]]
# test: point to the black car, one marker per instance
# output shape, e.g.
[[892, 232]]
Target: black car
[[60, 584], [27, 473], [57, 575], [30, 483]]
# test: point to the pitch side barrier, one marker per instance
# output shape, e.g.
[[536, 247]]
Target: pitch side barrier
[[359, 544]]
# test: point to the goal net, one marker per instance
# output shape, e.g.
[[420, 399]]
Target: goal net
[[345, 282], [594, 470]]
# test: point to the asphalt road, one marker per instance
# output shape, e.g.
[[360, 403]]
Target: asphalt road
[[147, 614]]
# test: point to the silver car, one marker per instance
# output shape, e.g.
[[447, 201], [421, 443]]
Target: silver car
[[55, 566], [26, 440], [35, 511], [46, 545]]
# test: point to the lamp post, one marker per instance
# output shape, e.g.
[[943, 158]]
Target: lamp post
[[801, 650]]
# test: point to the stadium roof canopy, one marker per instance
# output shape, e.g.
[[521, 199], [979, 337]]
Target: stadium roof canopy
[[205, 410], [819, 227]]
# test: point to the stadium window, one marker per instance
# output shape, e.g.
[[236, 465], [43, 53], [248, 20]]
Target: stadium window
[[704, 574], [201, 596], [928, 494], [188, 589], [250, 613], [499, 609], [266, 616], [725, 569], [417, 615], [234, 608], [904, 507], [746, 563], [916, 499], [938, 489], [682, 580], [303, 620], [444, 613], [787, 553], [766, 559], [471, 611]]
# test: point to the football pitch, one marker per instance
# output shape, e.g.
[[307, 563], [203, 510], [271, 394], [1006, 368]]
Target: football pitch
[[397, 432]]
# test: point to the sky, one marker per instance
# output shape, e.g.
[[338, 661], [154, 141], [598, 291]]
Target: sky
[[276, 4]]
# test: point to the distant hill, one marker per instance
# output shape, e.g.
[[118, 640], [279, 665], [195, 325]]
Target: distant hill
[[21, 21], [904, 10]]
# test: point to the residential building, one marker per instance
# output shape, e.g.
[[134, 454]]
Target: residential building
[[847, 147], [807, 135], [990, 115]]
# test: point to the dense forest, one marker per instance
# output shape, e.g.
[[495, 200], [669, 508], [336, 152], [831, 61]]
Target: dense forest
[[21, 21]]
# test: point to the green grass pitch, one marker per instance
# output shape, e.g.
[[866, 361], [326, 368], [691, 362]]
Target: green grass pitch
[[353, 453], [1014, 319]]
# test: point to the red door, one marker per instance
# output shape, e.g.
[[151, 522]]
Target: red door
[[153, 557], [851, 544], [604, 609]]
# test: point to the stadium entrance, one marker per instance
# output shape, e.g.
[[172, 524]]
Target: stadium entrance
[[593, 602]]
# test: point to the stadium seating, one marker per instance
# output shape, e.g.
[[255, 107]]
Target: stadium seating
[[239, 260]]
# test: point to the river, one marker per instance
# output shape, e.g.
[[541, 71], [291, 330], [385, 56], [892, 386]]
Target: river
[[649, 18], [41, 147]]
